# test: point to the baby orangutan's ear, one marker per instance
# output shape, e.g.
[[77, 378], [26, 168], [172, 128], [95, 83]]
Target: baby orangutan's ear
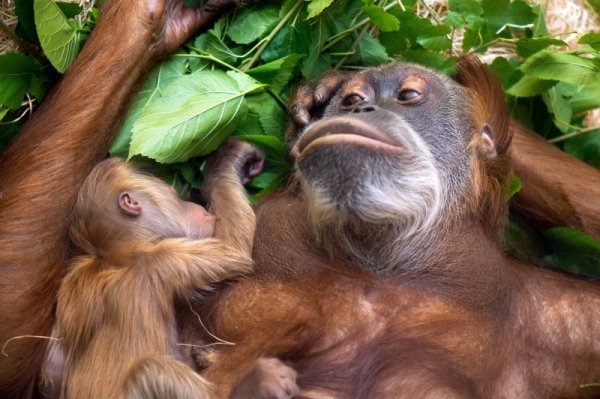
[[129, 204]]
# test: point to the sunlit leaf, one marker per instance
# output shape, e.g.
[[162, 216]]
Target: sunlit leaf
[[316, 7], [58, 38], [553, 65], [529, 86], [593, 39], [193, 116], [159, 79]]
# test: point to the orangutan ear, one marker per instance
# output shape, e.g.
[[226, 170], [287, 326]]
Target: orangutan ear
[[129, 204], [487, 146]]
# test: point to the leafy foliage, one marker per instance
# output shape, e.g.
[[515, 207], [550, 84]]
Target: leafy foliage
[[58, 37], [236, 78]]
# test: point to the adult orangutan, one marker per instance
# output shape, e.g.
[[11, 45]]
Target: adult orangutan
[[378, 273]]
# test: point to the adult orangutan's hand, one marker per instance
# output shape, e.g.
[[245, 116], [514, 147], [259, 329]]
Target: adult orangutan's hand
[[165, 24]]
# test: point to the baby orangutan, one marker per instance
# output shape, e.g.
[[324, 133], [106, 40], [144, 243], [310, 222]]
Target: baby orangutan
[[140, 247]]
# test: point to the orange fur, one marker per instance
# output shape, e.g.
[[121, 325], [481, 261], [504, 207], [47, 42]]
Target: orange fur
[[115, 311]]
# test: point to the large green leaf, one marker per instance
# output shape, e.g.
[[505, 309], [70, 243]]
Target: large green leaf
[[252, 23], [16, 74], [553, 65], [194, 115], [59, 39], [154, 87], [529, 86]]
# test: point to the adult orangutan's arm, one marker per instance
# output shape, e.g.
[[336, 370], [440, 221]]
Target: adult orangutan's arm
[[44, 166], [558, 190]]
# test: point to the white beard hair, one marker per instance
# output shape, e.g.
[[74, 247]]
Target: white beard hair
[[405, 206]]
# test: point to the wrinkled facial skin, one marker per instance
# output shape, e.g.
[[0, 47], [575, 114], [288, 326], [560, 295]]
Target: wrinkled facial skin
[[415, 154], [388, 159]]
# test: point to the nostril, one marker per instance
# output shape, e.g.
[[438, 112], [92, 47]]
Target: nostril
[[366, 108]]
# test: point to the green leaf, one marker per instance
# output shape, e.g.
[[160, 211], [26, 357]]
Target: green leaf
[[276, 73], [515, 185], [320, 32], [478, 35], [522, 241], [506, 71], [316, 7], [3, 112], [212, 43], [465, 7], [593, 39], [501, 13], [194, 115], [271, 145], [69, 9], [529, 86], [58, 38], [369, 52], [252, 23], [26, 26], [275, 181], [436, 43], [587, 97], [539, 25], [585, 147], [527, 47], [264, 180], [16, 74], [291, 39], [162, 75], [430, 59], [553, 65], [385, 21], [455, 20], [558, 100], [595, 5], [573, 250]]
